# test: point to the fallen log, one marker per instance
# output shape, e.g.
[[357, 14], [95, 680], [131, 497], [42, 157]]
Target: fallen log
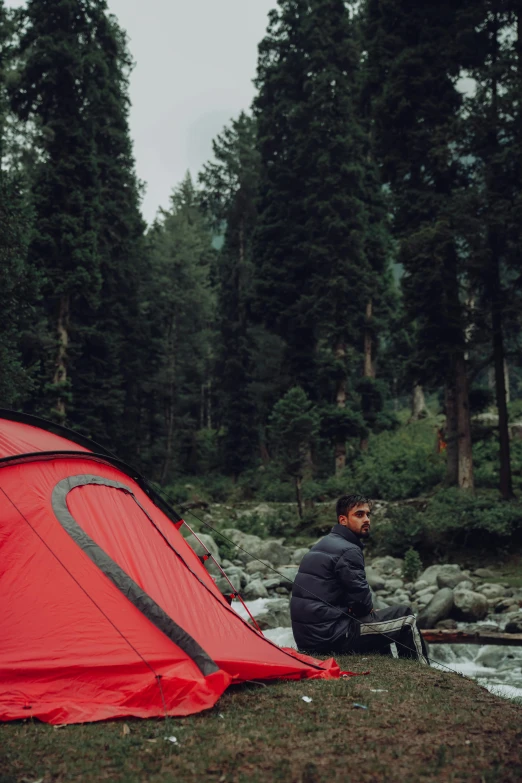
[[444, 636]]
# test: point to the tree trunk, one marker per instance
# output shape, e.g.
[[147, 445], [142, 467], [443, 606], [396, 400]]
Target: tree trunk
[[506, 483], [340, 399], [169, 400], [452, 451], [465, 454], [494, 284], [418, 403], [299, 495], [60, 374], [369, 370]]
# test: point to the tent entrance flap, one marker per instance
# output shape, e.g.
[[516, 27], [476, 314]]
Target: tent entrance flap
[[135, 594]]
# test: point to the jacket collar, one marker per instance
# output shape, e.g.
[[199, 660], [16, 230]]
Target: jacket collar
[[343, 531]]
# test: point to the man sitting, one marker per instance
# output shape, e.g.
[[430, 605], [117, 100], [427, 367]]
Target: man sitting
[[331, 605]]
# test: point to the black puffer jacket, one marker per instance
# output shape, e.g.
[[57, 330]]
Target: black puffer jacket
[[331, 575]]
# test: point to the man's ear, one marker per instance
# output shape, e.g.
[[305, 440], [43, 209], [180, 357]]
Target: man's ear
[[342, 520]]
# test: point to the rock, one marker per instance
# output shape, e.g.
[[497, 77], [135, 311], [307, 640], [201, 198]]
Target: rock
[[299, 554], [272, 582], [431, 573], [506, 605], [387, 564], [374, 579], [437, 609], [269, 550], [514, 626], [262, 510], [420, 584], [469, 606], [284, 580], [276, 614], [209, 545], [255, 566], [484, 573], [379, 603], [451, 579], [237, 576], [491, 591], [427, 591], [446, 625], [254, 589], [394, 584]]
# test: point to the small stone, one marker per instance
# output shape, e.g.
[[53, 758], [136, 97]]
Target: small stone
[[255, 589], [446, 625], [394, 584]]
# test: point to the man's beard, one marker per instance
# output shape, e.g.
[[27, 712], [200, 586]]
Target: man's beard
[[364, 534]]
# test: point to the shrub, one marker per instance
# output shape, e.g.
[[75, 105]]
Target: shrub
[[412, 565], [401, 464]]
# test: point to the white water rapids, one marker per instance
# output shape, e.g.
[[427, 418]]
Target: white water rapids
[[499, 669]]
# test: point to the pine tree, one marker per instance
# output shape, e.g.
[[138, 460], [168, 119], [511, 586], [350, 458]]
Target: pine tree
[[114, 359], [18, 286], [179, 307], [413, 63], [493, 55], [230, 187], [294, 426], [313, 276], [57, 61]]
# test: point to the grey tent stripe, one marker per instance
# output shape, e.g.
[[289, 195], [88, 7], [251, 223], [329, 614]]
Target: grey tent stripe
[[138, 597]]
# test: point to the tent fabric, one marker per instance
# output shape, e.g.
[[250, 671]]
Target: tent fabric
[[106, 610]]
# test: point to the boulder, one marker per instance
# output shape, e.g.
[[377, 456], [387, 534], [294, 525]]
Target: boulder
[[469, 606], [237, 576], [439, 608], [208, 545], [491, 591], [275, 614], [394, 584], [514, 626], [427, 591], [269, 550], [484, 573], [387, 564], [431, 573], [420, 584], [374, 579], [284, 579], [299, 554], [262, 510], [451, 579], [254, 589], [506, 605], [255, 567]]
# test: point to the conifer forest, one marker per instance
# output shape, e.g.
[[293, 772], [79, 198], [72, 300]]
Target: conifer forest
[[344, 270]]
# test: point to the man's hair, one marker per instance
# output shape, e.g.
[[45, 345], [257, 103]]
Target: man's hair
[[347, 502]]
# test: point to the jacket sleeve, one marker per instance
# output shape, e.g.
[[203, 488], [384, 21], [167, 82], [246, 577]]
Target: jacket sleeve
[[350, 572]]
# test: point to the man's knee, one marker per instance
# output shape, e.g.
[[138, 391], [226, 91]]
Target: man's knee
[[402, 610]]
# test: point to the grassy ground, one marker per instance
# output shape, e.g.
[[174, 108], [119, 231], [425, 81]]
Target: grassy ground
[[425, 726]]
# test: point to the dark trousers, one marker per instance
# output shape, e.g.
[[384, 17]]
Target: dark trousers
[[384, 626]]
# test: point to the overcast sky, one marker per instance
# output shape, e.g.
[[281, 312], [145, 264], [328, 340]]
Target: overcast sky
[[195, 61]]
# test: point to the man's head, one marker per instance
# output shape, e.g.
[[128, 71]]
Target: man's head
[[353, 512]]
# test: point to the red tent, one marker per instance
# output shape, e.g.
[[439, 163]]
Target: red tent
[[106, 611]]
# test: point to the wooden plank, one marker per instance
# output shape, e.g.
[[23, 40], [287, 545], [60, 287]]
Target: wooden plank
[[440, 636]]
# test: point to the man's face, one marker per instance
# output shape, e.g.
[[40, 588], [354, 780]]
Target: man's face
[[358, 520]]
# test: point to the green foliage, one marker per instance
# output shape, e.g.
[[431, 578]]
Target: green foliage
[[451, 520], [400, 464], [412, 565], [293, 427]]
